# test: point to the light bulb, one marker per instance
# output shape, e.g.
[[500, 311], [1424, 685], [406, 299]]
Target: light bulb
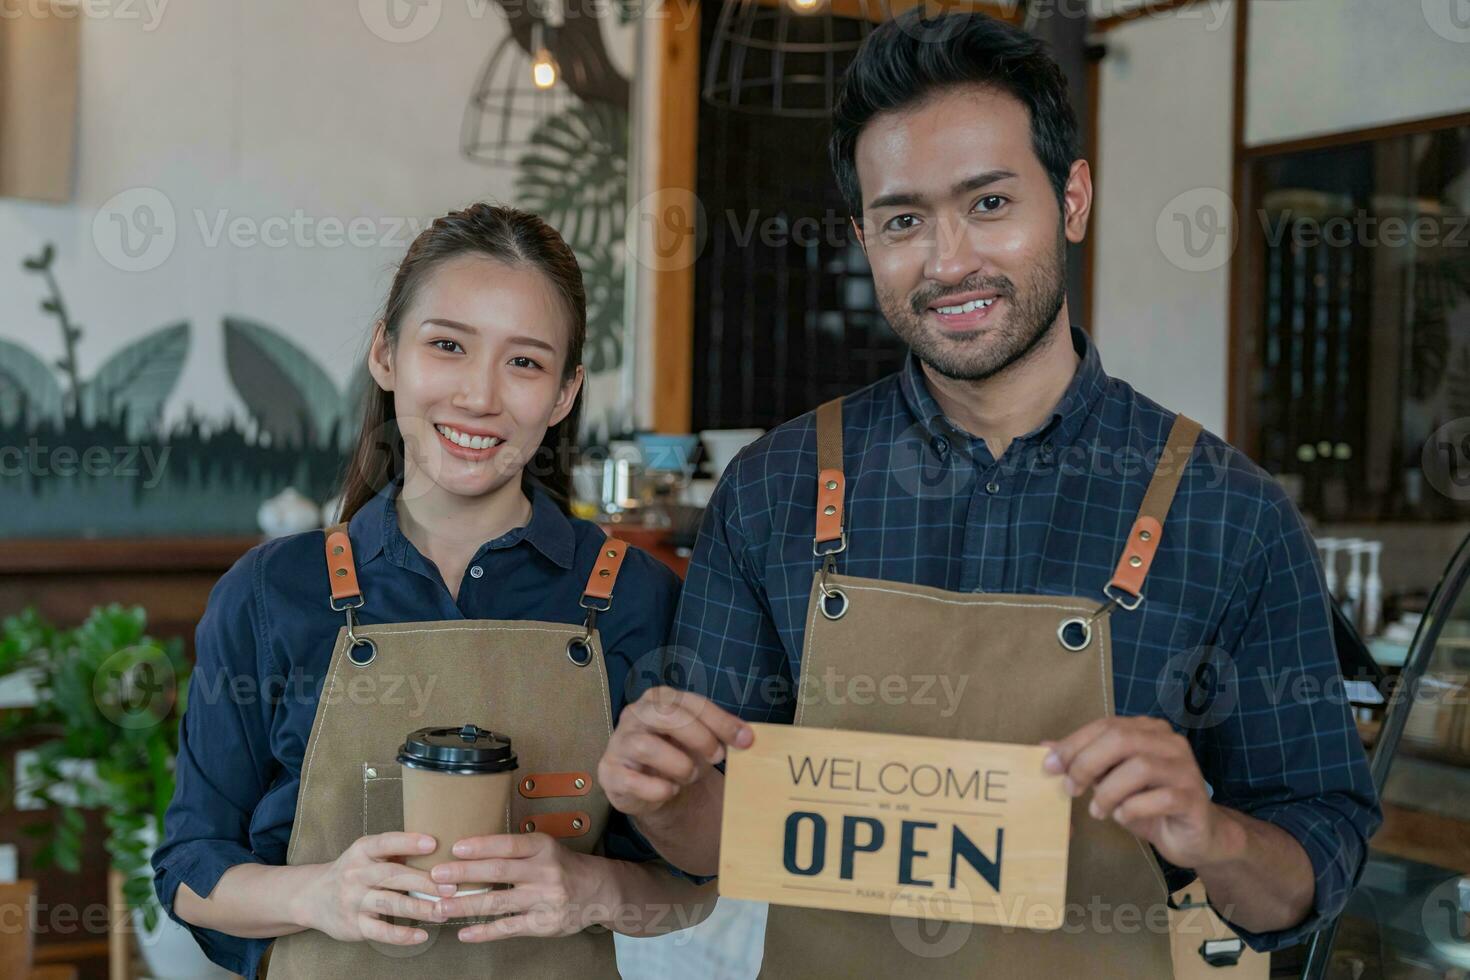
[[543, 70], [805, 6]]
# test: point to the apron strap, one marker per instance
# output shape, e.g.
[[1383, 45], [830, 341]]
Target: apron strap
[[598, 594], [341, 569], [830, 481], [1143, 538]]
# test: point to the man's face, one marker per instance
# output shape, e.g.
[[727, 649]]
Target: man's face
[[963, 231]]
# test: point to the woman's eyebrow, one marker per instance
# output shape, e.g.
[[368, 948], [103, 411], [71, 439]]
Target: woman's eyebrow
[[465, 328]]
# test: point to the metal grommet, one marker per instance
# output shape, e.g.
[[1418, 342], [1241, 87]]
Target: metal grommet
[[1081, 624], [831, 484], [577, 823], [529, 826], [829, 510], [339, 572], [337, 549], [833, 594], [579, 643], [1145, 534], [580, 783], [529, 785], [1135, 561], [362, 641]]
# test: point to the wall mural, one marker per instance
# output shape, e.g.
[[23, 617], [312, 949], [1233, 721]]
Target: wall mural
[[90, 456]]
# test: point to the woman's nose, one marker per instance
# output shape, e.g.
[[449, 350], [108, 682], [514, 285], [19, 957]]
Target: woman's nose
[[478, 393]]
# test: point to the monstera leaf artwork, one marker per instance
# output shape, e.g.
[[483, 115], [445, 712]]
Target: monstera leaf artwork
[[291, 398], [29, 392], [135, 381], [576, 177]]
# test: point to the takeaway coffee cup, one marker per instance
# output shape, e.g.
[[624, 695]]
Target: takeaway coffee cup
[[457, 783]]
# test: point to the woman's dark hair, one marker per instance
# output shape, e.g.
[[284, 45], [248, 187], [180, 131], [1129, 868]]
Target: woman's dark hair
[[908, 58], [517, 238]]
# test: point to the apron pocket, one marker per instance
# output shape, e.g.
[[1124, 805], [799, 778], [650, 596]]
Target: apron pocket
[[382, 797]]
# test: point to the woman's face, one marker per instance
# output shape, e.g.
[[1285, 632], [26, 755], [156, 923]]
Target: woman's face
[[476, 373]]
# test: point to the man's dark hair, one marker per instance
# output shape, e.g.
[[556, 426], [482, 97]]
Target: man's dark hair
[[911, 57]]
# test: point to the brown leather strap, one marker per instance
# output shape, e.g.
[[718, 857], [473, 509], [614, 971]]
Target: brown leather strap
[[605, 571], [831, 484], [541, 785], [1143, 537], [571, 824], [341, 569]]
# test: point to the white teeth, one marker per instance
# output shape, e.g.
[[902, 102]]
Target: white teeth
[[972, 305], [467, 441]]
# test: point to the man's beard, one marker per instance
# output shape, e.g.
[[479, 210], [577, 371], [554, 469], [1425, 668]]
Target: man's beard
[[1028, 319]]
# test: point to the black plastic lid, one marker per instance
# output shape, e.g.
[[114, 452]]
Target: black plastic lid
[[468, 749]]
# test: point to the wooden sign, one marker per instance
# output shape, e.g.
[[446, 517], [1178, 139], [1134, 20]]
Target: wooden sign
[[896, 825]]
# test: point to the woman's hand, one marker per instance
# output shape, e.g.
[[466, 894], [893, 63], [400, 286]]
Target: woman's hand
[[554, 891], [347, 897]]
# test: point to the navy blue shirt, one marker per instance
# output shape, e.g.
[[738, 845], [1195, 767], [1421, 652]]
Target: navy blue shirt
[[266, 640], [1236, 581]]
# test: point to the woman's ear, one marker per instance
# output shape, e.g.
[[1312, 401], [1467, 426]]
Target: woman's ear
[[380, 357], [567, 397]]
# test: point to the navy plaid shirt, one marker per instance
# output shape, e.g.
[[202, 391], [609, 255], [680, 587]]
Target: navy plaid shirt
[[1236, 584]]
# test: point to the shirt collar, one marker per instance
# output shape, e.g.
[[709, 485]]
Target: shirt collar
[[1066, 419], [374, 529]]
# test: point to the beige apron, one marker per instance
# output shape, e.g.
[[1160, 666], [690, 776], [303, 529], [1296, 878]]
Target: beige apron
[[543, 684], [1036, 667]]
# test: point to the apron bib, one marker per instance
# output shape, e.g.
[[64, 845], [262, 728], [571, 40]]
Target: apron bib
[[1036, 667], [543, 684]]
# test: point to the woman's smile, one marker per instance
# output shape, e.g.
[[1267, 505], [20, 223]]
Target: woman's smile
[[471, 444]]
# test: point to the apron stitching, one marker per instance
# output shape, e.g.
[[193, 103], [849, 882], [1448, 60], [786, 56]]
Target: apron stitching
[[970, 602], [317, 727], [380, 628]]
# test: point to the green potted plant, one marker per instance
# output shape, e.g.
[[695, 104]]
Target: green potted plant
[[108, 702]]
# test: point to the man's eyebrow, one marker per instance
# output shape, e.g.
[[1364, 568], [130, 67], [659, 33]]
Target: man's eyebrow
[[909, 198]]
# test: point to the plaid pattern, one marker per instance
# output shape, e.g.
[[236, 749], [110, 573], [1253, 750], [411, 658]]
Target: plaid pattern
[[1235, 598]]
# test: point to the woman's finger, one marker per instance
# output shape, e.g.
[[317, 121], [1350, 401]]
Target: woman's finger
[[380, 902]]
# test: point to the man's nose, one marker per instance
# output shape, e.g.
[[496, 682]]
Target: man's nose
[[953, 252]]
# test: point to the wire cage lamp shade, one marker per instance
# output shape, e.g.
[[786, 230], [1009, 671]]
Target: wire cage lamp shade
[[507, 105], [785, 57]]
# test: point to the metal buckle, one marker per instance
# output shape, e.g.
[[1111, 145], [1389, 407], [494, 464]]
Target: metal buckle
[[354, 641], [346, 603], [830, 565], [1118, 601], [595, 609], [841, 546]]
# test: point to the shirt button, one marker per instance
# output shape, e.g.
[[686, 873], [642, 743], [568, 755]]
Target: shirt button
[[992, 487], [476, 571], [940, 446], [1046, 452]]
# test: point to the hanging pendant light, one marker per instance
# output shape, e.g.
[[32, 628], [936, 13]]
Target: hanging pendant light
[[514, 94], [785, 57]]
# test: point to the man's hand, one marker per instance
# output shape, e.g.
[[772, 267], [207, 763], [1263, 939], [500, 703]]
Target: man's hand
[[1144, 775], [665, 741]]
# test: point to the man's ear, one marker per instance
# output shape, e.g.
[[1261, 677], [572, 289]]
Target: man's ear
[[567, 397], [380, 357], [857, 229]]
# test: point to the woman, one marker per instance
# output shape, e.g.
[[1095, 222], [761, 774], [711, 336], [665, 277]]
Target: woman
[[458, 591]]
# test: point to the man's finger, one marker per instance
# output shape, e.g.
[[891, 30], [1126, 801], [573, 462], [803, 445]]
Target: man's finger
[[661, 757], [497, 901], [727, 727], [500, 846]]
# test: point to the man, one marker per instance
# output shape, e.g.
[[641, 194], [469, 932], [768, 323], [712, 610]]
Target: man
[[938, 520]]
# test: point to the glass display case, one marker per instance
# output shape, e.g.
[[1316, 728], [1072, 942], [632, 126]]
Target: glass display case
[[1410, 914]]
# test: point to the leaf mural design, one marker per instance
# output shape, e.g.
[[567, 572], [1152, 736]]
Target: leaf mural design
[[576, 173], [29, 393], [138, 379], [289, 396], [602, 275]]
